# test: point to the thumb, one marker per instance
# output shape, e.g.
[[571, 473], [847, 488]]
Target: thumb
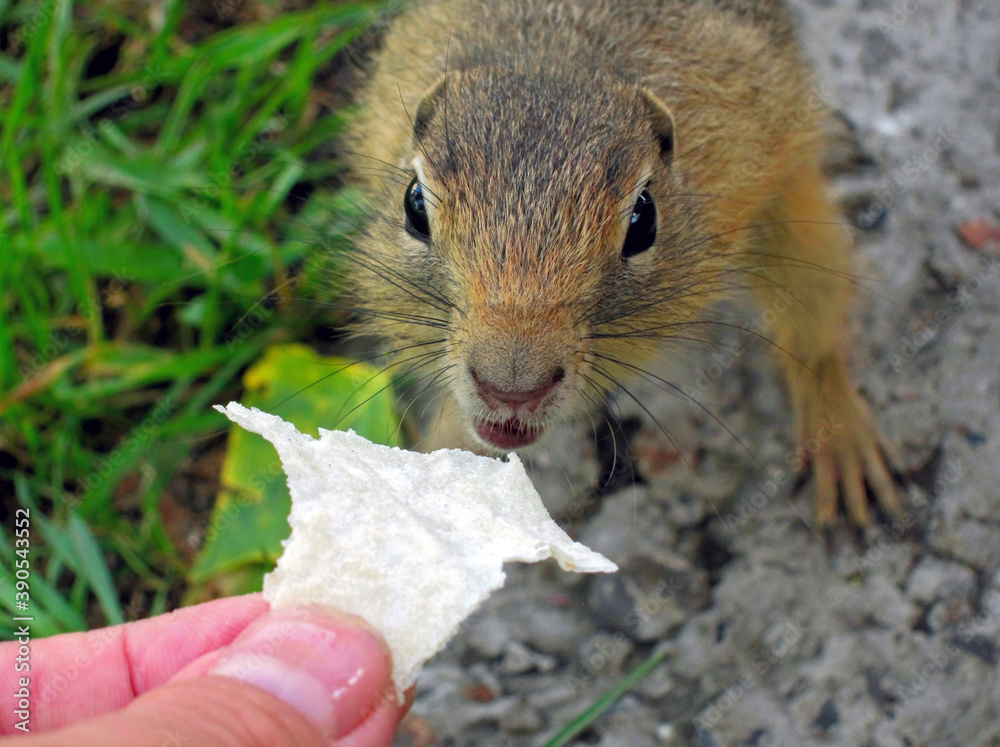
[[297, 677]]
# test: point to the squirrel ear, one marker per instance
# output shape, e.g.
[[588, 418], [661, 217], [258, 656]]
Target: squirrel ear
[[427, 107], [662, 122]]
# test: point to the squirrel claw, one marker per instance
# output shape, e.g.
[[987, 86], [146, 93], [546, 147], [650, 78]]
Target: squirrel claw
[[837, 435]]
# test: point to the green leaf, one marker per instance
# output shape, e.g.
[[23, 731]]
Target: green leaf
[[52, 613], [249, 44], [76, 547], [136, 175], [10, 70], [95, 569], [114, 368], [250, 516]]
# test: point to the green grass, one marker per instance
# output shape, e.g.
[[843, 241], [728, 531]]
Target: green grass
[[168, 208], [596, 709]]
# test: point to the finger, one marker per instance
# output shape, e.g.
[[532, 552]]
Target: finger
[[80, 675], [216, 711], [379, 729], [291, 678]]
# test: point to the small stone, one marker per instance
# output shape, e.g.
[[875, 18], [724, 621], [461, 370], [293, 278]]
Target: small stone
[[878, 52], [646, 599], [485, 686], [979, 646], [978, 233], [605, 652], [934, 579], [414, 731], [487, 635], [628, 722], [654, 455], [827, 717], [948, 613], [689, 509], [521, 719], [969, 181], [519, 659], [667, 734], [901, 95], [972, 541], [548, 628], [865, 211], [657, 685]]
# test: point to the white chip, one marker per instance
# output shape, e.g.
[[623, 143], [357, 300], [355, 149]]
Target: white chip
[[412, 543]]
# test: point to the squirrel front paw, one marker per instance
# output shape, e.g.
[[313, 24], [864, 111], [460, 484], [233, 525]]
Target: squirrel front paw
[[838, 438]]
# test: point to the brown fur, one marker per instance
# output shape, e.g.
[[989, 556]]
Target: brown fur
[[535, 123]]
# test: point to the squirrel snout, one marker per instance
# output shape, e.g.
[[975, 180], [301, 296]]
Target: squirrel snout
[[523, 399]]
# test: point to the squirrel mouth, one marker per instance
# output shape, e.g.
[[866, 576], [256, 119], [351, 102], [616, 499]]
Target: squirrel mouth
[[510, 434]]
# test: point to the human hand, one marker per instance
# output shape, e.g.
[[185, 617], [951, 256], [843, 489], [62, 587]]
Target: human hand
[[229, 672]]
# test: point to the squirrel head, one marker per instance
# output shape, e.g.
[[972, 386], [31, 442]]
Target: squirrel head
[[538, 244]]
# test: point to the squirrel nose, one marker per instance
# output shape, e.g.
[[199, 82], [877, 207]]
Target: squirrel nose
[[494, 397]]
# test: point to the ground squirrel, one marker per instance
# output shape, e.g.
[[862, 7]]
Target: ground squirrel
[[560, 189]]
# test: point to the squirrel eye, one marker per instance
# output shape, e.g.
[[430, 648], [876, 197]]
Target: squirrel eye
[[417, 223], [642, 227]]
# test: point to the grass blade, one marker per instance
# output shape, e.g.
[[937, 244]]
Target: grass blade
[[603, 703], [95, 569]]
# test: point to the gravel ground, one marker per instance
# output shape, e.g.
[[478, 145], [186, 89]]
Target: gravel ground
[[775, 635]]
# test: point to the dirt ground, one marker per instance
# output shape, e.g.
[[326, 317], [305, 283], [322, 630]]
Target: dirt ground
[[775, 636]]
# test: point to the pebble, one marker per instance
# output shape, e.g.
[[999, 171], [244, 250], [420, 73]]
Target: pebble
[[646, 599], [519, 659], [934, 579], [521, 718]]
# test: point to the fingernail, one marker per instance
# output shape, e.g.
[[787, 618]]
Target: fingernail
[[331, 670]]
